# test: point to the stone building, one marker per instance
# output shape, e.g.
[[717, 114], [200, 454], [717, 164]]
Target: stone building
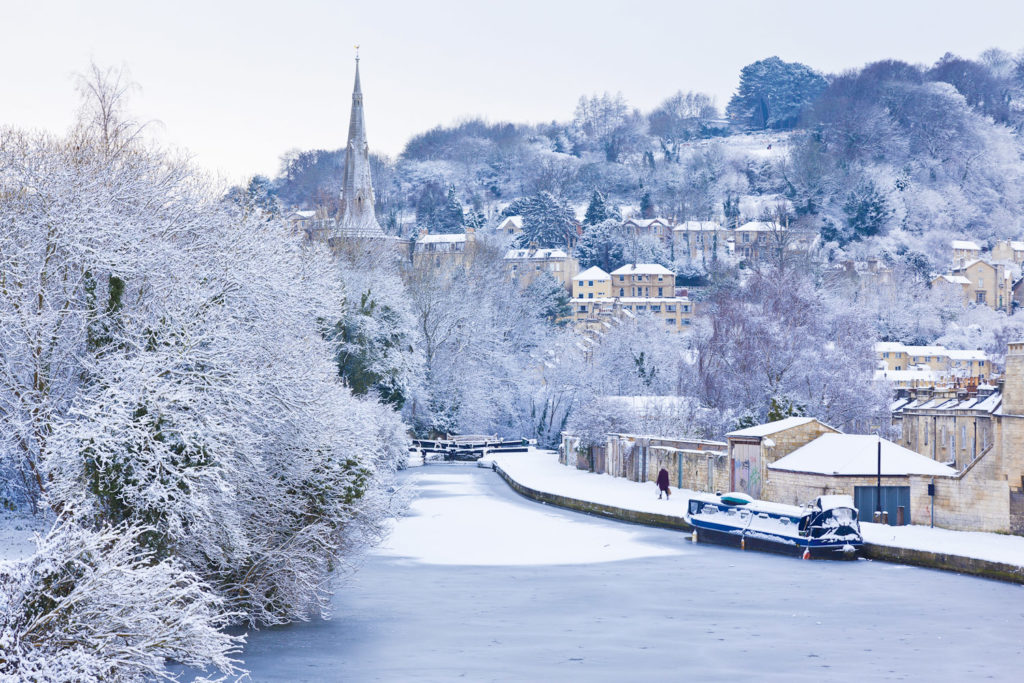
[[658, 228], [982, 438], [444, 250], [701, 241], [981, 283], [849, 464], [694, 464], [1008, 251], [965, 251], [753, 449], [634, 289], [524, 265], [592, 283]]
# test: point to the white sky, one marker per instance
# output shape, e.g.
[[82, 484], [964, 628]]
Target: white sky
[[238, 83]]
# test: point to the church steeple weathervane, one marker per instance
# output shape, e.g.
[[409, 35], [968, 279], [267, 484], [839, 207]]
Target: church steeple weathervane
[[356, 217]]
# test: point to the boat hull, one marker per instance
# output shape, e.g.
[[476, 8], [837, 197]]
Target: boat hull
[[768, 530]]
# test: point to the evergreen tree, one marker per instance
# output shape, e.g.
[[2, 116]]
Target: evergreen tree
[[598, 209], [450, 219], [603, 245], [774, 93], [548, 222], [647, 208]]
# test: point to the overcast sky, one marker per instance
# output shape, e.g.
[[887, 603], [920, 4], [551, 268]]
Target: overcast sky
[[238, 83]]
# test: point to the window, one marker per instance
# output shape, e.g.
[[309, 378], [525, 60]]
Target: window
[[590, 283], [621, 278], [671, 308], [981, 297], [981, 283], [670, 321], [622, 292], [686, 308], [627, 308], [660, 292], [581, 283], [685, 321], [641, 308], [590, 295], [660, 278], [580, 296], [583, 308], [655, 309]]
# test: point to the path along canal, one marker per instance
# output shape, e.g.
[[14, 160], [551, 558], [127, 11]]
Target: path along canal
[[477, 583]]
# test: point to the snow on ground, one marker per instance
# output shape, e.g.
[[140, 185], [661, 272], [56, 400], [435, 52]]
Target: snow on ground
[[977, 544], [499, 532], [540, 470], [16, 532]]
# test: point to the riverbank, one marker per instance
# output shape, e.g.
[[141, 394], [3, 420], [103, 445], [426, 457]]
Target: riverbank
[[538, 475]]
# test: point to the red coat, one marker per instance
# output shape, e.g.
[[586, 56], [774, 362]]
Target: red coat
[[663, 479]]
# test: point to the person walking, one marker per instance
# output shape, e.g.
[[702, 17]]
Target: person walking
[[663, 484]]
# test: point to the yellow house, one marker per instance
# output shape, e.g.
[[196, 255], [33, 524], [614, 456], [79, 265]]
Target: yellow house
[[896, 357], [989, 285], [592, 283], [524, 265], [965, 251], [643, 279], [598, 315], [635, 289], [1008, 251]]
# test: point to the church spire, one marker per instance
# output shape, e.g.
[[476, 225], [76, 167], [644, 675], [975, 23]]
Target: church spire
[[357, 216]]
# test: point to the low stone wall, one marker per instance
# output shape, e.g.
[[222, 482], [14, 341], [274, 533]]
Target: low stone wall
[[599, 509], [977, 499], [884, 553]]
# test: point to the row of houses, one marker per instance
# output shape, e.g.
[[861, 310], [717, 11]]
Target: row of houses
[[923, 367], [599, 298]]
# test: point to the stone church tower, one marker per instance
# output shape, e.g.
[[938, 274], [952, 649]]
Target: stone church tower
[[356, 218]]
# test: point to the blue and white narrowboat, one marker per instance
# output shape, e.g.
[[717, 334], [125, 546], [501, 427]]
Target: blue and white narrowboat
[[825, 528]]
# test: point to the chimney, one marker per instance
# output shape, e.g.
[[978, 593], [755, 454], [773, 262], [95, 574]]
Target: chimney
[[1013, 379]]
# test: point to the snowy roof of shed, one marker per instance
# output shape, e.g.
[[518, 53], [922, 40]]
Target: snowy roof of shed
[[857, 455], [889, 346], [643, 269], [965, 244], [1016, 246], [593, 273], [772, 427]]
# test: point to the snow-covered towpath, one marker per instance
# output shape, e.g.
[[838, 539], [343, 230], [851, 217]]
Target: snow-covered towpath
[[479, 584]]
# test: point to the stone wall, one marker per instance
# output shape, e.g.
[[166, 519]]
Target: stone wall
[[797, 488], [974, 500], [791, 439]]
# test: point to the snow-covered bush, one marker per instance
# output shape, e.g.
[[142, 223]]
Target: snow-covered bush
[[92, 606]]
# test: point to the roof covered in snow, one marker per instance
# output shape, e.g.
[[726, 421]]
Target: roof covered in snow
[[966, 244], [954, 279], [511, 221], [593, 273], [442, 238], [697, 226], [857, 455], [518, 254], [643, 269], [760, 226], [645, 222], [772, 427]]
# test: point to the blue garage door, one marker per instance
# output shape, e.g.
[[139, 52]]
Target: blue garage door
[[866, 499]]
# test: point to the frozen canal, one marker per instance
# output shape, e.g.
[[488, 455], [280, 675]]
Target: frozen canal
[[479, 584]]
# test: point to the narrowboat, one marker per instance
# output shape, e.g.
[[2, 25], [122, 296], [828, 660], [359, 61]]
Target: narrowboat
[[826, 528]]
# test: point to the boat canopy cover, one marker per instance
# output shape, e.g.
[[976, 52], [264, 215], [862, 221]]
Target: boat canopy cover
[[835, 501]]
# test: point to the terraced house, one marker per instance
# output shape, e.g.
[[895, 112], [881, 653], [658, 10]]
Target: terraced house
[[635, 289]]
